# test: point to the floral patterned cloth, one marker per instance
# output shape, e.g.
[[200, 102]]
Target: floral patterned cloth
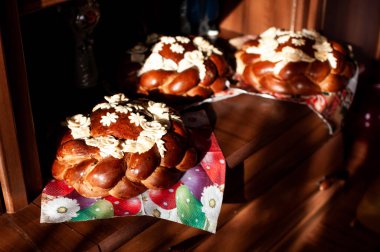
[[195, 200]]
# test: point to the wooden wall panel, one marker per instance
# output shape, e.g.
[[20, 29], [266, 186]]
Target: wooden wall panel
[[14, 193], [234, 20], [377, 53], [352, 21], [314, 14], [255, 16], [17, 140], [356, 22]]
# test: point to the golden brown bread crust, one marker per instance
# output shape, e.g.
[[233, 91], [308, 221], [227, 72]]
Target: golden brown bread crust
[[123, 129], [294, 63], [122, 148], [184, 67]]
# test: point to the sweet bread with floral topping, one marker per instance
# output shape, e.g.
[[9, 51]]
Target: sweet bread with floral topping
[[294, 63], [184, 67], [124, 147]]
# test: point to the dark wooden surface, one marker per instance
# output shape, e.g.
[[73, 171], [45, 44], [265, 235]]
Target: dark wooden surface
[[9, 146], [24, 182], [277, 153]]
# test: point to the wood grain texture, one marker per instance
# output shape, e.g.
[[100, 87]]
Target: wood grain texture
[[112, 233], [334, 227], [309, 14], [14, 192], [271, 195], [14, 239], [355, 22], [254, 17], [180, 238], [261, 216], [245, 183], [263, 169], [257, 115], [48, 237], [321, 164], [278, 152], [19, 92]]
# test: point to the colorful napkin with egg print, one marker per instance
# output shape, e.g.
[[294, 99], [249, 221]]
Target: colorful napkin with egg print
[[195, 200], [330, 107]]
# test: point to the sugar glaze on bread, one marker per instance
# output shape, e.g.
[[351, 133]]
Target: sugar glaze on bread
[[294, 63], [185, 67], [124, 147]]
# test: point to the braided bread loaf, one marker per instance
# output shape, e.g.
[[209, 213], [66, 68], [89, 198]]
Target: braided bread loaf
[[180, 66], [123, 148], [294, 63]]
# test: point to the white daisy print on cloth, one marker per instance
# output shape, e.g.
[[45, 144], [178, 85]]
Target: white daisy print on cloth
[[152, 209], [59, 210], [211, 200]]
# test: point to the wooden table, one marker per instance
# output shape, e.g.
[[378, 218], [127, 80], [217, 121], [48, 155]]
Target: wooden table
[[276, 152]]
